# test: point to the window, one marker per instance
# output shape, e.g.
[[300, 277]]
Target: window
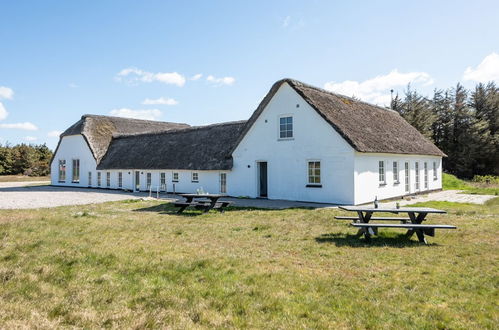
[[416, 167], [108, 179], [89, 179], [285, 127], [76, 170], [98, 179], [163, 181], [223, 183], [120, 180], [314, 173], [148, 181], [381, 172], [195, 177], [406, 174], [435, 174], [175, 177], [396, 172], [62, 170], [425, 175]]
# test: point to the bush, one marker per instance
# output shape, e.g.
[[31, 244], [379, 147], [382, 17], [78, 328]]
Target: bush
[[488, 179]]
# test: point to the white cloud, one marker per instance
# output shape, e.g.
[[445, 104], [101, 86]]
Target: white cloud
[[54, 133], [197, 76], [134, 75], [487, 70], [3, 112], [286, 21], [6, 93], [24, 126], [221, 81], [30, 138], [377, 90], [73, 85], [161, 100], [151, 114]]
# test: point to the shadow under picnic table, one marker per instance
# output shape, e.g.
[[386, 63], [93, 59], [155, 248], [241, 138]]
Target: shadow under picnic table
[[383, 239]]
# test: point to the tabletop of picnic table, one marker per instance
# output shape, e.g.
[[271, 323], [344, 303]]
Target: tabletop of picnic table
[[202, 195], [392, 210]]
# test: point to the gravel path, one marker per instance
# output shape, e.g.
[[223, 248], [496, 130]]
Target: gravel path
[[30, 195]]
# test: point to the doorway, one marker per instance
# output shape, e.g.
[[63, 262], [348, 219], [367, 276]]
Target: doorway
[[262, 180], [137, 180]]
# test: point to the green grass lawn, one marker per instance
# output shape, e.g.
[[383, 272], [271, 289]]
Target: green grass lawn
[[22, 178], [135, 265], [450, 182]]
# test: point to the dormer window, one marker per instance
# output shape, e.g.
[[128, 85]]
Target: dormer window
[[286, 127]]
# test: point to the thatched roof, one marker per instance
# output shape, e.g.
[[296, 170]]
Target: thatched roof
[[196, 148], [99, 130], [366, 127]]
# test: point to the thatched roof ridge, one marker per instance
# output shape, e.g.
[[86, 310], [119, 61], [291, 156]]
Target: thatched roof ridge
[[366, 127], [194, 148], [98, 130]]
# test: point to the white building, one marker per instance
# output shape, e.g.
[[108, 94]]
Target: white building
[[301, 143]]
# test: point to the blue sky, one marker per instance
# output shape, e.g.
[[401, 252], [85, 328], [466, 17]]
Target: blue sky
[[202, 62]]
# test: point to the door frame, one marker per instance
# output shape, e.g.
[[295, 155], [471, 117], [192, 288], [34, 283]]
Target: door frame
[[258, 177]]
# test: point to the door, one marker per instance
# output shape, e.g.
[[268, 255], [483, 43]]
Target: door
[[262, 179], [137, 180]]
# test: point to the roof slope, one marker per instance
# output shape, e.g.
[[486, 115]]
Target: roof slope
[[196, 148], [366, 127], [99, 130]]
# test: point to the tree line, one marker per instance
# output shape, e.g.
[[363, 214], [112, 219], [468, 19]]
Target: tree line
[[24, 159], [463, 123]]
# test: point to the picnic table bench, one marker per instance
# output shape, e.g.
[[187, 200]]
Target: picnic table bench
[[204, 202], [416, 216]]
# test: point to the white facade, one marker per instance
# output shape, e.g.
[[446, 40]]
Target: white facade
[[345, 176]]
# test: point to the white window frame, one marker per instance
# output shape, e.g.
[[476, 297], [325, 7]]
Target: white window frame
[[108, 179], [89, 178], [425, 175], [382, 173], [194, 176], [148, 180], [435, 171], [417, 178], [280, 137], [120, 179], [396, 178], [62, 170], [75, 171], [99, 179], [312, 175], [223, 182], [175, 177], [407, 176], [162, 181]]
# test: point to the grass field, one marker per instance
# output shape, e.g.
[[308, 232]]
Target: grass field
[[22, 178], [134, 264], [450, 182]]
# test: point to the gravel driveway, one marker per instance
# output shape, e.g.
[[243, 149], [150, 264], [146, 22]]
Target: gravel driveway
[[29, 195]]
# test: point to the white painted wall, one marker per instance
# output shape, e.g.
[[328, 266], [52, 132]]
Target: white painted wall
[[73, 147], [314, 139], [367, 185]]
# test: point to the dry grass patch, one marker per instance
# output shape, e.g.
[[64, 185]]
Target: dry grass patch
[[137, 264]]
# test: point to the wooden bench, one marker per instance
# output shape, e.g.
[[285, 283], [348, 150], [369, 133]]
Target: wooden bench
[[404, 220], [426, 229]]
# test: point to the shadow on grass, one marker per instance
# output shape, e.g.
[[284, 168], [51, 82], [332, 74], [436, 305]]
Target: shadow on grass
[[168, 208], [353, 240]]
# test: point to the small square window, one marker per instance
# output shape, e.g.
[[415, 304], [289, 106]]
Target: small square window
[[314, 173], [285, 127], [175, 177], [195, 177]]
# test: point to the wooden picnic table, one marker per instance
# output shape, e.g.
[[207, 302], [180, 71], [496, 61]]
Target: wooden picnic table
[[205, 202], [416, 215]]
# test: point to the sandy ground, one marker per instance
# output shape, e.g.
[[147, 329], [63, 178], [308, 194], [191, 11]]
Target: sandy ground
[[37, 194]]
